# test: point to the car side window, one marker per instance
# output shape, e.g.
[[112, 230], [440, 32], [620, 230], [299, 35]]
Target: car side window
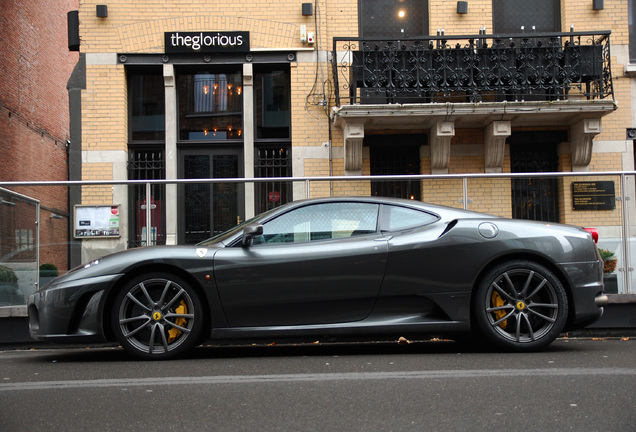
[[320, 222], [400, 218]]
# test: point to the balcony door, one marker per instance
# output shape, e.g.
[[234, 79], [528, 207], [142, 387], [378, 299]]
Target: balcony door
[[207, 209], [534, 152], [509, 16], [392, 18]]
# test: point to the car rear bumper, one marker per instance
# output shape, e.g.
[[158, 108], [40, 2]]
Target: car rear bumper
[[586, 294]]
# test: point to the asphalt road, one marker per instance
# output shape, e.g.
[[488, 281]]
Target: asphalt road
[[576, 384]]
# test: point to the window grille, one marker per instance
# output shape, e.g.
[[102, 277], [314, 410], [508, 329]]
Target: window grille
[[146, 165], [534, 198], [272, 162], [395, 160]]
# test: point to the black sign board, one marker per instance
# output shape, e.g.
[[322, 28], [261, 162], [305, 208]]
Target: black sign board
[[206, 42], [593, 195]]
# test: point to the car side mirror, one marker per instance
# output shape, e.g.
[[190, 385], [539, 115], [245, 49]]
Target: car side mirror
[[249, 232]]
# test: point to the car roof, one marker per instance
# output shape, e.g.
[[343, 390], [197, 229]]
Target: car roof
[[445, 212]]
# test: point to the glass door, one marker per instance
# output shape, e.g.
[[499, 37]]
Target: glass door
[[207, 209]]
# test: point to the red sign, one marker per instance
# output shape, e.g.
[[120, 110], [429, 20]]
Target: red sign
[[274, 197]]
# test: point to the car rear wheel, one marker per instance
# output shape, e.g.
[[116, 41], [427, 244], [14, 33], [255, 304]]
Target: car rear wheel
[[520, 306], [157, 317]]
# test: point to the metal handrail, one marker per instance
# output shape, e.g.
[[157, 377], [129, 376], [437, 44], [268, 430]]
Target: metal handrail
[[308, 180]]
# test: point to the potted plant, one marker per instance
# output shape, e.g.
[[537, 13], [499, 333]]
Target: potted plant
[[609, 260], [48, 272], [8, 285]]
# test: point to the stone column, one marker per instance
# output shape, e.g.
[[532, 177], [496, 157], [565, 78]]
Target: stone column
[[248, 136], [171, 117]]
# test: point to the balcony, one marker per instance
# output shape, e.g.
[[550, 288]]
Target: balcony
[[496, 83], [472, 69]]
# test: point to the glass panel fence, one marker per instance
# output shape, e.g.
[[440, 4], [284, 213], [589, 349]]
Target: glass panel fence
[[40, 239]]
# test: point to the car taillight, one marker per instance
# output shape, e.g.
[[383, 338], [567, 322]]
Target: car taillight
[[594, 233]]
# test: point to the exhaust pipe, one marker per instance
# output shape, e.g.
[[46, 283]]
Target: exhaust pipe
[[601, 300]]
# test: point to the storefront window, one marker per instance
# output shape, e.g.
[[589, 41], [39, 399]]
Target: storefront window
[[147, 106], [272, 94], [211, 106]]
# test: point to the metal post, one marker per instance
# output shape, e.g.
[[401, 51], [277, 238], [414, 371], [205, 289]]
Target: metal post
[[627, 269], [149, 208], [465, 192], [37, 245]]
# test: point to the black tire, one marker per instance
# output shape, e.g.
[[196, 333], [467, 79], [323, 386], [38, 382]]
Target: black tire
[[157, 316], [520, 306]]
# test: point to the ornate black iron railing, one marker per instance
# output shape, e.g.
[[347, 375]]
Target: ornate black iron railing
[[474, 68]]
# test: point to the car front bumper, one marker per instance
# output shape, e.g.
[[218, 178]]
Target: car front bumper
[[69, 310]]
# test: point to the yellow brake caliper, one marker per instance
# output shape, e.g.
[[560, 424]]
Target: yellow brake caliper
[[174, 333], [498, 301]]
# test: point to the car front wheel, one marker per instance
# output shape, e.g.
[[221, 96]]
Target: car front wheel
[[157, 317], [520, 306]]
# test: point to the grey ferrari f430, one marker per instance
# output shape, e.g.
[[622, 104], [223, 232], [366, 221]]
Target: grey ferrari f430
[[354, 268]]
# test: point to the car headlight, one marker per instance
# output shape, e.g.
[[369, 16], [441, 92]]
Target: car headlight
[[92, 263]]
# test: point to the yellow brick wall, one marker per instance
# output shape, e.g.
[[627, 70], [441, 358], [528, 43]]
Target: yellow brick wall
[[581, 15], [138, 27], [104, 126], [317, 168], [443, 15], [310, 125], [614, 124], [341, 19], [105, 109], [97, 194]]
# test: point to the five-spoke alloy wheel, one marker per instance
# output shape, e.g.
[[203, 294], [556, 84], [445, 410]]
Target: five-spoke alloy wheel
[[520, 306], [157, 316]]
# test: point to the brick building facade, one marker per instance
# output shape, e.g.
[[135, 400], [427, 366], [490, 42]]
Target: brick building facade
[[34, 130], [144, 114]]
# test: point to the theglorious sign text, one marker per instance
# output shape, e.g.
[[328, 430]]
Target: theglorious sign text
[[206, 42]]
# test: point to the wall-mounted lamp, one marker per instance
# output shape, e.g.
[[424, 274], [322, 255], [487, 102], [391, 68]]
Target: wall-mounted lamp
[[55, 216], [7, 203], [101, 11], [462, 7], [597, 4], [308, 9]]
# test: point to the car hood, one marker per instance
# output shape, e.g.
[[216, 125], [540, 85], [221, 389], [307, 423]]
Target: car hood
[[125, 261]]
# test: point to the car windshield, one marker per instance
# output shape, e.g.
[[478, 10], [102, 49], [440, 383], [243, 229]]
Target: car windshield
[[219, 238]]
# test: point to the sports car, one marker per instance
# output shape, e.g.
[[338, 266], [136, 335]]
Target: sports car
[[351, 268]]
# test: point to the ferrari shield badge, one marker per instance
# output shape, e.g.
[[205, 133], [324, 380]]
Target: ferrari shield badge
[[201, 252]]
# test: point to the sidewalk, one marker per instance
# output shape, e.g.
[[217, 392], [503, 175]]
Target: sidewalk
[[620, 313]]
